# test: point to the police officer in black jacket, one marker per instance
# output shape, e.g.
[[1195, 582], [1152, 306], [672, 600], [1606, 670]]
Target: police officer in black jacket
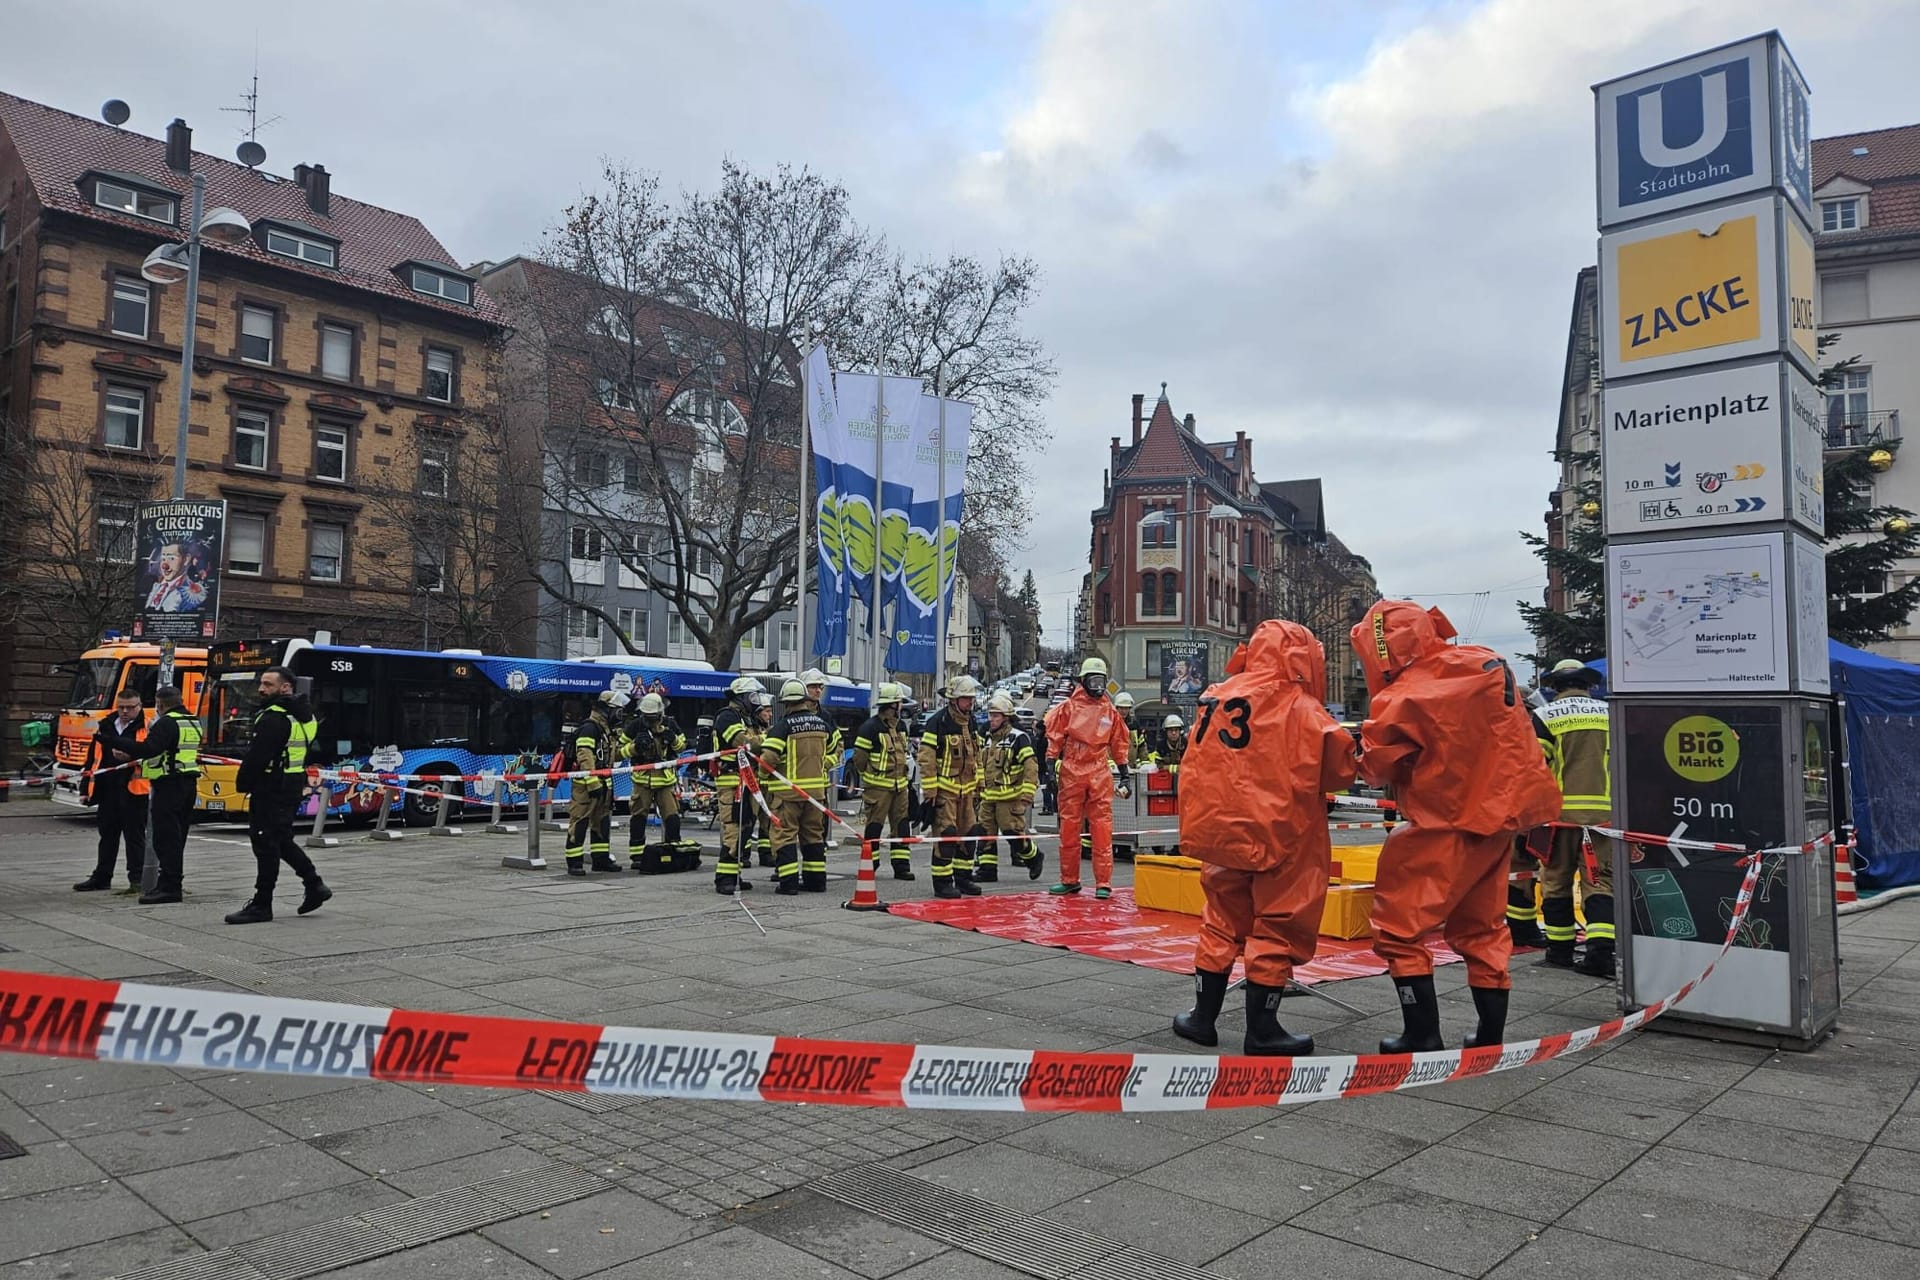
[[169, 761], [273, 775]]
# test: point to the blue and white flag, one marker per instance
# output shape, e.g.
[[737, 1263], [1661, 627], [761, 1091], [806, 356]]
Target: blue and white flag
[[828, 435], [933, 538], [863, 510]]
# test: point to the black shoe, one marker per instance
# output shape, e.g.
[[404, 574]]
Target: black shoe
[[1559, 955], [788, 888], [605, 862], [901, 871], [257, 911], [1597, 962], [317, 896], [963, 881], [1266, 1038], [1526, 935], [944, 887], [1420, 1014], [92, 885], [986, 875], [727, 884], [159, 897], [575, 867], [1491, 1004], [1209, 993]]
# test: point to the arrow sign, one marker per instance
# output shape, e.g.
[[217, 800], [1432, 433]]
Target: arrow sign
[[1749, 471], [1749, 504], [1673, 475]]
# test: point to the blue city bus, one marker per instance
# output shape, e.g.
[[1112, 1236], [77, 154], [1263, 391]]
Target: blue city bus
[[448, 712]]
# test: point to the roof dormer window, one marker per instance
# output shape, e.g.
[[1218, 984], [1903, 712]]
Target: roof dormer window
[[289, 243], [1840, 215], [440, 284], [122, 198]]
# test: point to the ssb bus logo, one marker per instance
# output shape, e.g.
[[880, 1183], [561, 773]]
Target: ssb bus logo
[[1688, 135]]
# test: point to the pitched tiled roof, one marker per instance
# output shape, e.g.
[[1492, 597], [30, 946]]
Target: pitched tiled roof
[[57, 147], [1890, 153], [1169, 451]]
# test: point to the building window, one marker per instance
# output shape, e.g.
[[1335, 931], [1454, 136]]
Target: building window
[[615, 396], [789, 643], [677, 634], [246, 543], [256, 335], [632, 477], [633, 552], [336, 352], [291, 244], [1149, 595], [1164, 532], [124, 199], [1103, 548], [1153, 661], [590, 469], [113, 530], [705, 409], [126, 426], [326, 552], [583, 633], [252, 438], [610, 322], [439, 285], [436, 471], [1170, 603], [441, 383], [330, 453], [429, 568], [1840, 215], [700, 562], [131, 304], [633, 626], [586, 555], [1849, 401]]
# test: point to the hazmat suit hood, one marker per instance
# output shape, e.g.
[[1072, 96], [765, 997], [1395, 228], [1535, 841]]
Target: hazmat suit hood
[[1286, 653], [1394, 635]]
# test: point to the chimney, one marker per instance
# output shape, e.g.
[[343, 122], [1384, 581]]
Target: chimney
[[316, 182], [179, 146], [1189, 424], [1138, 401]]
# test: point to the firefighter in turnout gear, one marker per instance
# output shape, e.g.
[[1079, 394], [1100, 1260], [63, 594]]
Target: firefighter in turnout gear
[[1083, 734], [1173, 744], [1010, 769], [1448, 730], [880, 762], [802, 747], [1136, 737], [653, 739], [590, 810], [169, 759], [736, 729], [950, 778], [1579, 751]]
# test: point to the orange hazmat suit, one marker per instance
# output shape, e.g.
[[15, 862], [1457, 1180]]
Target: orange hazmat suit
[[1083, 733], [1448, 730], [1263, 755]]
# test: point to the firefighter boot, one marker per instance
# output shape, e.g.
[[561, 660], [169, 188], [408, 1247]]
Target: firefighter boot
[[672, 827], [1266, 1038], [813, 868], [1598, 961], [1491, 1004], [1209, 993], [986, 861], [963, 883], [902, 856], [605, 862], [943, 874], [1558, 915], [1420, 1014], [576, 866]]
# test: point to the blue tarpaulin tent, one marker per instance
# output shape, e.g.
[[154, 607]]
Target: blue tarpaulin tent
[[1882, 700]]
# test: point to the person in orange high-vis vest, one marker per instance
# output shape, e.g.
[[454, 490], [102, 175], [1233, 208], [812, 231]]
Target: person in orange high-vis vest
[[1083, 734], [1449, 731], [1264, 753], [118, 795]]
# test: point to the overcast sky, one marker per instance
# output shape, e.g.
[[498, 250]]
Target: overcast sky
[[1353, 237]]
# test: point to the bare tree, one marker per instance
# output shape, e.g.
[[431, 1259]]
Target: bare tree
[[76, 576]]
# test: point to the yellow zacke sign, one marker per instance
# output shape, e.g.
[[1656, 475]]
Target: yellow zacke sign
[[1690, 290]]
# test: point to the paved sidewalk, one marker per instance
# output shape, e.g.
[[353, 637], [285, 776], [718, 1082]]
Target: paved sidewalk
[[1658, 1156]]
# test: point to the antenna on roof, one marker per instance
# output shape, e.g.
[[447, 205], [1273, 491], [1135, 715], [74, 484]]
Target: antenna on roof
[[250, 152]]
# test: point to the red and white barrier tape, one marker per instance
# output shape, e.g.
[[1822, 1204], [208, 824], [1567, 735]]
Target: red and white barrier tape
[[24, 783], [216, 1031], [380, 775]]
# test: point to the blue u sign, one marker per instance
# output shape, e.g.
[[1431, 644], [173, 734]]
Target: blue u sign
[[1686, 135]]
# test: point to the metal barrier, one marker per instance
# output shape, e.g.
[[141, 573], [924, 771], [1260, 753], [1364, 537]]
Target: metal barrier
[[531, 860], [443, 818], [380, 830], [496, 825], [319, 839]]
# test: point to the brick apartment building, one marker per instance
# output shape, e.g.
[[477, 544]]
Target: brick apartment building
[[339, 353]]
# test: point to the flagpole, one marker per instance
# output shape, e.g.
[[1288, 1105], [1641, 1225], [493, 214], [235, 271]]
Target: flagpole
[[800, 641], [940, 535], [879, 506]]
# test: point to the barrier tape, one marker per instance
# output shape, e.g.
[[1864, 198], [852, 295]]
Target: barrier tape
[[6, 783], [351, 774], [216, 1031]]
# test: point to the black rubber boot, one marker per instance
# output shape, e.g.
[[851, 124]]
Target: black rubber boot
[[605, 862], [1266, 1038], [943, 885], [1209, 993], [987, 874], [789, 887], [1526, 935], [672, 827], [1559, 955], [1036, 862], [316, 897], [963, 881], [1491, 1004], [258, 911], [903, 870], [1598, 962], [1420, 1014], [576, 866]]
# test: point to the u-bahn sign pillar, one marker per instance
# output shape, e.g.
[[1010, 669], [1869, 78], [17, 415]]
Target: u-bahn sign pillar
[[1715, 578]]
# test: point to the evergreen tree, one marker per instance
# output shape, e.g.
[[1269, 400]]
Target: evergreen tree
[[1581, 631]]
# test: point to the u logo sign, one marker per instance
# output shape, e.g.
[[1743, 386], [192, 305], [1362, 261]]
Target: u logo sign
[[1713, 124]]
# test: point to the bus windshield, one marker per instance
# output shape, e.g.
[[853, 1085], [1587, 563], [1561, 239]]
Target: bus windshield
[[230, 707], [94, 683]]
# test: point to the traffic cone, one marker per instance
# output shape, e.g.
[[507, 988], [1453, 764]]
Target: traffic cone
[[1844, 890], [866, 893]]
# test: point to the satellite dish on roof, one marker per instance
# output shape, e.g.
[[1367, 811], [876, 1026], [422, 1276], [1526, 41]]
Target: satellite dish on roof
[[114, 111], [251, 154]]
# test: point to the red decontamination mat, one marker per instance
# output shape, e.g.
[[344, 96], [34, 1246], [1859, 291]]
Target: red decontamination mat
[[1117, 929]]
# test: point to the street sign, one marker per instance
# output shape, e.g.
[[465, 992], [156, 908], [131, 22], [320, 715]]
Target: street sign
[[1717, 447]]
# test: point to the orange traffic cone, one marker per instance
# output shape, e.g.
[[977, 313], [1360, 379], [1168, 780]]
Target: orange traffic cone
[[866, 893], [1844, 890]]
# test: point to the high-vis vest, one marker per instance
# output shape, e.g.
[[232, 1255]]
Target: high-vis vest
[[184, 758], [880, 755], [300, 736], [1581, 754], [1010, 767]]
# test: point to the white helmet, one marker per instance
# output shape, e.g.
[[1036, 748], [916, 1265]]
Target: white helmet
[[1171, 723], [812, 676], [1001, 703], [651, 705], [793, 691], [613, 698], [890, 694], [744, 687], [1123, 700], [963, 687]]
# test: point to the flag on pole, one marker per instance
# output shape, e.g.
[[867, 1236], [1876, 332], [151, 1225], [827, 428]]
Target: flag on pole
[[829, 440], [932, 548], [863, 509]]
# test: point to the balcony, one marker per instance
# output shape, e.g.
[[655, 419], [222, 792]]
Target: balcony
[[1862, 430]]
